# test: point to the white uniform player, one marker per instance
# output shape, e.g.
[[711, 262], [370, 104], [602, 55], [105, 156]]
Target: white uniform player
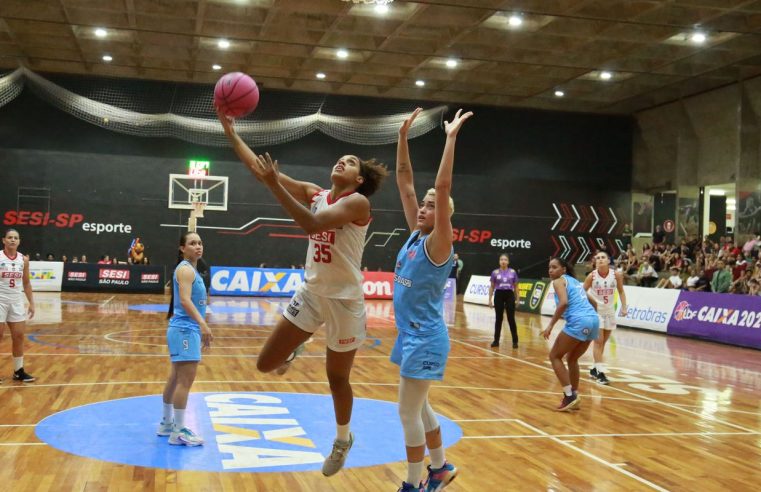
[[332, 291], [12, 305], [14, 286], [602, 284]]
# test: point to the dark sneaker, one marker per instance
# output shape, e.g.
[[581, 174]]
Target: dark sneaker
[[439, 479], [593, 373], [568, 402], [602, 378], [515, 344], [21, 375], [408, 487], [494, 344]]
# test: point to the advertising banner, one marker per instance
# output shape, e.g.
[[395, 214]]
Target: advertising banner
[[46, 276], [531, 293], [648, 308], [113, 278], [725, 318], [478, 290]]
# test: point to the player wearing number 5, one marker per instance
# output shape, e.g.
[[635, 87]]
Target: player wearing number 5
[[14, 284], [603, 283], [336, 221]]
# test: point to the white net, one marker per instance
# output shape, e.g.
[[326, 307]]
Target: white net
[[175, 112]]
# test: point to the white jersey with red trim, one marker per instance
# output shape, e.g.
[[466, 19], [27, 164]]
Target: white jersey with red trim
[[604, 290], [334, 257], [11, 276]]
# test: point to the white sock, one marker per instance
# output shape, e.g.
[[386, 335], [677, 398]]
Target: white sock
[[179, 418], [567, 391], [18, 363], [342, 432], [414, 472], [168, 413], [600, 367], [437, 457]]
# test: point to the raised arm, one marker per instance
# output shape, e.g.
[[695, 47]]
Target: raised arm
[[302, 191], [439, 243], [353, 208], [404, 178]]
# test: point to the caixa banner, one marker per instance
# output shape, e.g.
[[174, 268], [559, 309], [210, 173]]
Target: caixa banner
[[724, 318], [282, 282]]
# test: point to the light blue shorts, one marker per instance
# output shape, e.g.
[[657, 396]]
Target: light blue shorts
[[585, 329], [421, 357], [184, 343]]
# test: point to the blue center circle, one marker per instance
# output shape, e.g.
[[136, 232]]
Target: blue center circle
[[243, 432]]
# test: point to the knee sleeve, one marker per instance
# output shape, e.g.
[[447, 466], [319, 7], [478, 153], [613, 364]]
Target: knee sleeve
[[430, 422], [413, 394]]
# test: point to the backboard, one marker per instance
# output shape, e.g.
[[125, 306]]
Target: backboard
[[186, 190]]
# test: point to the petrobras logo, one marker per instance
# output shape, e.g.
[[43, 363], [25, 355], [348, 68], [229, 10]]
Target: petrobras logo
[[648, 314], [255, 281]]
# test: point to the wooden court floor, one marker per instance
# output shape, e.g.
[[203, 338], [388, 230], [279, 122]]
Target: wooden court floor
[[679, 414]]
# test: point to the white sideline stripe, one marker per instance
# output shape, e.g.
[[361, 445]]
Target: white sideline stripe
[[643, 434], [483, 420], [593, 457], [613, 388], [23, 444], [242, 356]]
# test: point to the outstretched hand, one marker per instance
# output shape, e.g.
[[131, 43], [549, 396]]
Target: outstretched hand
[[408, 123], [452, 127], [265, 169], [227, 122]]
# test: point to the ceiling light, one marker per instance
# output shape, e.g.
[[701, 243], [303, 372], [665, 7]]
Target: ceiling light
[[342, 53], [320, 75], [420, 83], [731, 201], [559, 93], [216, 67], [223, 43], [381, 9], [101, 33], [515, 20], [107, 58], [731, 208], [451, 63], [698, 38], [606, 75], [717, 192]]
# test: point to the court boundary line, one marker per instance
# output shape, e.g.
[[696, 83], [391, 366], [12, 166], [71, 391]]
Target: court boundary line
[[660, 402], [591, 456]]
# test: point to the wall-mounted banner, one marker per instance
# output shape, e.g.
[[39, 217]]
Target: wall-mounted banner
[[46, 276], [531, 293], [113, 278], [478, 290], [724, 318]]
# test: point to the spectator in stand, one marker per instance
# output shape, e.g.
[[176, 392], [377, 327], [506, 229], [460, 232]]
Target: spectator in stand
[[722, 278], [693, 279], [64, 258], [740, 286], [673, 282], [104, 260], [752, 244], [659, 235], [50, 257], [37, 257], [646, 276], [754, 288], [74, 259], [83, 259]]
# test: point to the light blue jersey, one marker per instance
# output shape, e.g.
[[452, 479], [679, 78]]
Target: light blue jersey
[[581, 320], [419, 289], [198, 296], [184, 335]]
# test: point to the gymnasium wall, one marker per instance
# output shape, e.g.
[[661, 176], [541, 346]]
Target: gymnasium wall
[[528, 183]]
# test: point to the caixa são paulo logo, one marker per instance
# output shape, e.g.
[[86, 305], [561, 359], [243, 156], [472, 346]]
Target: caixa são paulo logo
[[255, 281], [243, 432], [718, 315], [62, 221]]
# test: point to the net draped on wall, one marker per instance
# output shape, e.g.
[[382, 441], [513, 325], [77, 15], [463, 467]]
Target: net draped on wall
[[115, 110]]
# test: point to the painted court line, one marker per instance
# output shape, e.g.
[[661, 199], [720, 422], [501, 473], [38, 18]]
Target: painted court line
[[614, 388], [642, 434], [593, 457]]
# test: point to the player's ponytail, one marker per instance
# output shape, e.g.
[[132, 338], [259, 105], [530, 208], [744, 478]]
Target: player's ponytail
[[180, 257]]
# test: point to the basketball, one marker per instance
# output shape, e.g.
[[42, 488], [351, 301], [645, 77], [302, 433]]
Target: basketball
[[236, 94]]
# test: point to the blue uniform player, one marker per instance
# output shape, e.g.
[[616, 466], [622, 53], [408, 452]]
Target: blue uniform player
[[582, 326], [420, 276], [186, 335]]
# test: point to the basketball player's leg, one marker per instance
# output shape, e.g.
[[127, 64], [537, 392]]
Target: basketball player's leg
[[284, 340], [572, 360], [440, 472], [185, 375], [413, 395], [167, 420], [18, 329], [564, 344]]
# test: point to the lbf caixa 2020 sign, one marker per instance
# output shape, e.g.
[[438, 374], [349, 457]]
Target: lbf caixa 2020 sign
[[725, 318]]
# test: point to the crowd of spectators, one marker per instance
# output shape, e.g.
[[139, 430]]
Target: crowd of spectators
[[724, 266], [103, 260]]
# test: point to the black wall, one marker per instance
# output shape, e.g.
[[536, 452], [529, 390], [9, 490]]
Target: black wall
[[511, 167]]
